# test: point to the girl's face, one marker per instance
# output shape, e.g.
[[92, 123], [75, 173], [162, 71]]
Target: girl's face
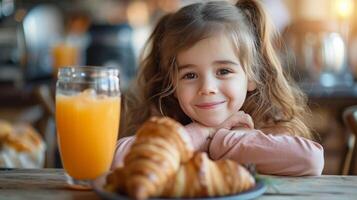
[[212, 84]]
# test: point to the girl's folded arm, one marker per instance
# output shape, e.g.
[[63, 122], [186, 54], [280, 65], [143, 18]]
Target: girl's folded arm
[[121, 149], [272, 154]]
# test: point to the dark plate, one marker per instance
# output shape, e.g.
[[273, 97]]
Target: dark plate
[[98, 186]]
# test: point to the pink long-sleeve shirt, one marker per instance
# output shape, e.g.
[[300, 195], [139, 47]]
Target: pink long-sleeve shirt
[[272, 154]]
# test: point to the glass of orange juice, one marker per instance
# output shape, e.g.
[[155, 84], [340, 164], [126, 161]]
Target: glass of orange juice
[[87, 121]]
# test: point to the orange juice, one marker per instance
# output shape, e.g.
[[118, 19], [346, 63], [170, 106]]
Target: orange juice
[[87, 129]]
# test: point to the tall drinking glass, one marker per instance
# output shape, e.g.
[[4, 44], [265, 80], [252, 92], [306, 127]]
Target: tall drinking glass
[[87, 121]]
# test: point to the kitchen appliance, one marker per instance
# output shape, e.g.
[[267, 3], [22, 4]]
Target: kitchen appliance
[[25, 44]]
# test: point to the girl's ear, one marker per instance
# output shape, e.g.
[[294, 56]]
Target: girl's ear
[[251, 85]]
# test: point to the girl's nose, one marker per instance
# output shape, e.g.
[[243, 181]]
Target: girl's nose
[[208, 87]]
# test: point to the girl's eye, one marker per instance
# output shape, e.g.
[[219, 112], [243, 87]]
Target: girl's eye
[[189, 76], [224, 72]]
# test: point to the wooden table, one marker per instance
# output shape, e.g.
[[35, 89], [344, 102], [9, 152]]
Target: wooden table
[[50, 184]]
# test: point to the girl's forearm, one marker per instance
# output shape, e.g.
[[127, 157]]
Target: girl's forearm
[[272, 154]]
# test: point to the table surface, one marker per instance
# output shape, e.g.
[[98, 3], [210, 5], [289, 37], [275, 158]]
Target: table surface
[[50, 184]]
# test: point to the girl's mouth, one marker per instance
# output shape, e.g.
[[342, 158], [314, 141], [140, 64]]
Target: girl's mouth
[[209, 105]]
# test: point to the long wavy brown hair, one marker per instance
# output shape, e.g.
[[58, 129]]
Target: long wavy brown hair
[[277, 103]]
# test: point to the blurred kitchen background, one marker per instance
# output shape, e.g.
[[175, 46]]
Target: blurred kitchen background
[[319, 49]]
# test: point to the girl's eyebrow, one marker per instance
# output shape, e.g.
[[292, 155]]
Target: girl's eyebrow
[[217, 62], [225, 62], [181, 67]]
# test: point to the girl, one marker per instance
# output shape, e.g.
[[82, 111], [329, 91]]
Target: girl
[[211, 66]]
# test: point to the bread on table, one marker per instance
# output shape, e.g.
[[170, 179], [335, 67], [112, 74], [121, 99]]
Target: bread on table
[[21, 146]]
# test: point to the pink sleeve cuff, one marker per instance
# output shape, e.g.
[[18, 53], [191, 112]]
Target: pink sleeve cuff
[[122, 148]]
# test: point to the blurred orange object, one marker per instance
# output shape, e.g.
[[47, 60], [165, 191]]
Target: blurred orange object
[[64, 55]]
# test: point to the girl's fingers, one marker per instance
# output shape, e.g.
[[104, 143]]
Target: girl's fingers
[[242, 120], [249, 121], [238, 120]]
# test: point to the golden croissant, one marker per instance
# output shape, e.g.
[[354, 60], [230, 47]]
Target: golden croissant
[[199, 177], [160, 146]]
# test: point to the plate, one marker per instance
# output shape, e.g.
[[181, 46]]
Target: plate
[[256, 191]]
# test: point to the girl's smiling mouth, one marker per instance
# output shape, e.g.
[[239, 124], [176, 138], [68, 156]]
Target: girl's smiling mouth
[[209, 105]]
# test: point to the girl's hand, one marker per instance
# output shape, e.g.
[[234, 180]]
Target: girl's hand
[[202, 135], [238, 120]]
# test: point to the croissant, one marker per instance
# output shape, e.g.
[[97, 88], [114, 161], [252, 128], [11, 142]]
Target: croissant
[[199, 177], [202, 177], [161, 145]]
